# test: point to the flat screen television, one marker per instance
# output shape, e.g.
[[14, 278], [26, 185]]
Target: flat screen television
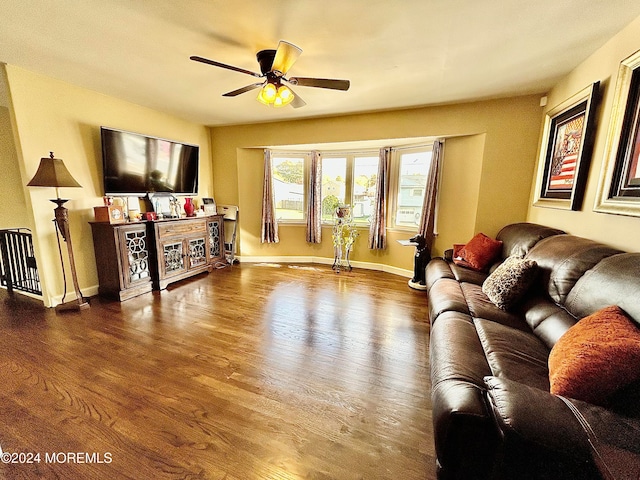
[[135, 164]]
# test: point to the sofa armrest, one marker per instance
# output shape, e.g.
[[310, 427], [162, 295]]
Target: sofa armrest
[[541, 437], [614, 439], [534, 415]]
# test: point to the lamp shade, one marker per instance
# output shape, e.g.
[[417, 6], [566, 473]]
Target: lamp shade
[[52, 173]]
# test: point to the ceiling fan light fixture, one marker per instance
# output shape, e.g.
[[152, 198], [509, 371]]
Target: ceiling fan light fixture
[[274, 65], [284, 96], [275, 94], [268, 94]]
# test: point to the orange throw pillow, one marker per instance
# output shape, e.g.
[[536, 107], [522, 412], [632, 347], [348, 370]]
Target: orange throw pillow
[[479, 253], [597, 356]]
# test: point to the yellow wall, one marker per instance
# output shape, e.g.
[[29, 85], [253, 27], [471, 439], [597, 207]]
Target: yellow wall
[[458, 213], [487, 172], [620, 231], [55, 116], [14, 212], [13, 207]]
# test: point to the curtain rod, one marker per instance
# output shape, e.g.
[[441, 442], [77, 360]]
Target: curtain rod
[[358, 151]]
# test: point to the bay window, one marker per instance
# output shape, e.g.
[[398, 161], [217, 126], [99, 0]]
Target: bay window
[[349, 178]]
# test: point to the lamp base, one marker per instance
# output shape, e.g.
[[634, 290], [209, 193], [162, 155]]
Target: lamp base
[[72, 305]]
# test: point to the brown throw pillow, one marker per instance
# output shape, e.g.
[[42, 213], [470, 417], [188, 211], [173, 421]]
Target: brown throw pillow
[[596, 357], [479, 253], [510, 281]]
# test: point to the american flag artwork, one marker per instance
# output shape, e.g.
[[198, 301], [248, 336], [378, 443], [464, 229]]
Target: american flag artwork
[[564, 162]]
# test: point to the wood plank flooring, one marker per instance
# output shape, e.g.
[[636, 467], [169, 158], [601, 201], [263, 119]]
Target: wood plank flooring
[[253, 372]]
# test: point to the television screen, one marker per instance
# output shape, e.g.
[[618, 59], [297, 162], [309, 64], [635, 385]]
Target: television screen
[[135, 164]]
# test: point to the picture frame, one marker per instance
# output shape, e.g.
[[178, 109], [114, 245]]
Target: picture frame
[[619, 186], [565, 151]]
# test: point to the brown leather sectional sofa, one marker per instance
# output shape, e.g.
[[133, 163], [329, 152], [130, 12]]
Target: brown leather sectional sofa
[[493, 415]]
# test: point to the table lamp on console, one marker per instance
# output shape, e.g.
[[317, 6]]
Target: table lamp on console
[[53, 173]]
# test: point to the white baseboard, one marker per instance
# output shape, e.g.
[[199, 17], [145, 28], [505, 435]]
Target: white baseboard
[[326, 261], [86, 292], [57, 299]]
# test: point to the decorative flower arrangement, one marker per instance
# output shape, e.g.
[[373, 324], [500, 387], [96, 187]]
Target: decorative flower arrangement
[[344, 236]]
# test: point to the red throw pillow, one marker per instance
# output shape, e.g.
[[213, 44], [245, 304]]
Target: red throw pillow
[[597, 356], [479, 253], [457, 258]]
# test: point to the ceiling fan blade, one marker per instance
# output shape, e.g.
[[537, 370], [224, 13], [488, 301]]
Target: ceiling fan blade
[[248, 88], [224, 65], [286, 55], [330, 83], [297, 102]]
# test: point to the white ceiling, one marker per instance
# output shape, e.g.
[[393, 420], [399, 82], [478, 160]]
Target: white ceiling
[[397, 53]]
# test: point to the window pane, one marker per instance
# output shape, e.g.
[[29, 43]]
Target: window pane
[[334, 173], [413, 179], [365, 174], [288, 187]]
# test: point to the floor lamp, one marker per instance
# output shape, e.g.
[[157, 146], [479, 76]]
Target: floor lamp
[[53, 173]]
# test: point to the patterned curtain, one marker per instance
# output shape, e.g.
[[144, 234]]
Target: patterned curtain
[[427, 221], [377, 229], [314, 203], [269, 221]]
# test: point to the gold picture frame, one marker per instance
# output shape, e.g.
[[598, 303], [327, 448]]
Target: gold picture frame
[[619, 187], [565, 151]]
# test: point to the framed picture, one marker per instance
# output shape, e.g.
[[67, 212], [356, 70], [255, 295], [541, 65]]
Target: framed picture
[[619, 189], [565, 152]]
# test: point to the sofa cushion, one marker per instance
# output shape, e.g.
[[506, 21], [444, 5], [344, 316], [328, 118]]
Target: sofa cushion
[[519, 238], [563, 259], [613, 281], [446, 296], [514, 354], [547, 320], [437, 269], [481, 307], [510, 281], [478, 253], [455, 351], [596, 357], [468, 275]]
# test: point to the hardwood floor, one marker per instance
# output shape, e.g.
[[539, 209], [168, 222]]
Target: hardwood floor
[[250, 372]]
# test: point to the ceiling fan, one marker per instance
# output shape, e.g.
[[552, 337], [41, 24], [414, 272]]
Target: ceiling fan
[[274, 65]]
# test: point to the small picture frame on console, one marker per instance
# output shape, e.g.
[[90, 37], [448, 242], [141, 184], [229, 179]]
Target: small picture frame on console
[[161, 204], [209, 206], [565, 152]]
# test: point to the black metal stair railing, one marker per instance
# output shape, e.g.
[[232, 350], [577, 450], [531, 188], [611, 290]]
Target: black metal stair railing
[[18, 269]]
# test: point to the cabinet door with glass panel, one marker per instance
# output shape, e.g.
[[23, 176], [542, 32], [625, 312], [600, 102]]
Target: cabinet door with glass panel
[[183, 249], [215, 227]]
